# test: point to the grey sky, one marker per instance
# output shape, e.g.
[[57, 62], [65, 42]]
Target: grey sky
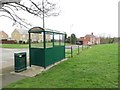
[[78, 16]]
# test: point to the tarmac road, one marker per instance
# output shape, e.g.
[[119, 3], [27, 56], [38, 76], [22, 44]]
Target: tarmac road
[[8, 56]]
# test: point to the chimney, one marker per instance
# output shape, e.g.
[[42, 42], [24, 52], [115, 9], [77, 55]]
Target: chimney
[[92, 33]]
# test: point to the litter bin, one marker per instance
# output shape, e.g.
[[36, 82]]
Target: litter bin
[[20, 60]]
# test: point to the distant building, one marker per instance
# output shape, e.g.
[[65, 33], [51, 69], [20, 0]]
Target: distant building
[[20, 35], [39, 37], [3, 35], [35, 37], [90, 39]]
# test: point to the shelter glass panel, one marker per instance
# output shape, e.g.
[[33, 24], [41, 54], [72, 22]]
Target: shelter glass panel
[[49, 39], [56, 39], [62, 39], [37, 40]]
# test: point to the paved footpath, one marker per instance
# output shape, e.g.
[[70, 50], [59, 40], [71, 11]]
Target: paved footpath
[[8, 78], [7, 66]]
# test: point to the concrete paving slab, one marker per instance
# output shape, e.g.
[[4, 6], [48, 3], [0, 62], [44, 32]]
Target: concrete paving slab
[[30, 72], [35, 70]]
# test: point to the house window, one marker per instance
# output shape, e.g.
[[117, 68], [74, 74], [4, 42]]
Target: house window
[[23, 36]]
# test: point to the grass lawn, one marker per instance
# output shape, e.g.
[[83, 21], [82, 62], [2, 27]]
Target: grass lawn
[[96, 67], [17, 46]]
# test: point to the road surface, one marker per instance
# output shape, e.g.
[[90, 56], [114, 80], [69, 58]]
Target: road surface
[[7, 56]]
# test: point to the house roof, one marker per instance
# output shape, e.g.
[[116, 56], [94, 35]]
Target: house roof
[[21, 31], [3, 32], [89, 35]]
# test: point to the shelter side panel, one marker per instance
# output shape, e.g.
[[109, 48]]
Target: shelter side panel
[[54, 54], [37, 57]]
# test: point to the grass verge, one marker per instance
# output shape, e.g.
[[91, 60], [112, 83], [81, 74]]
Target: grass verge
[[17, 46]]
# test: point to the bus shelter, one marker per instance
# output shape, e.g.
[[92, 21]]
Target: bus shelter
[[45, 46]]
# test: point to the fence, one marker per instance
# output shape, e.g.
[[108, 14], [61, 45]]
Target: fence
[[5, 41], [69, 50]]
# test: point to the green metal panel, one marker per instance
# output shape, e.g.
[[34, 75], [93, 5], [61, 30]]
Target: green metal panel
[[44, 36], [37, 56], [30, 49], [49, 56], [53, 39], [44, 58], [54, 54]]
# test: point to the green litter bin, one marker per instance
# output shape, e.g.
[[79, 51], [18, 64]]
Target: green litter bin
[[20, 60]]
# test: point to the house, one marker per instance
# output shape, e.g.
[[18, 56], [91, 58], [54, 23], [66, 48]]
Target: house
[[90, 39], [3, 35], [20, 35], [35, 37], [39, 37]]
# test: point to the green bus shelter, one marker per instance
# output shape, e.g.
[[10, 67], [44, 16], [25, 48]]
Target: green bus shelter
[[46, 46]]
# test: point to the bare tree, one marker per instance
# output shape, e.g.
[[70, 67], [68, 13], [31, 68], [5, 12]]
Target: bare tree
[[110, 39], [40, 9], [102, 38], [105, 39]]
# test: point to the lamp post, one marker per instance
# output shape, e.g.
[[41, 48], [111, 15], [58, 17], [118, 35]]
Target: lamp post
[[43, 14], [71, 31]]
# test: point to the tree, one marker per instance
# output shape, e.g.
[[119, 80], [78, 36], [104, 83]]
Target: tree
[[42, 8], [67, 40], [110, 39], [73, 39], [106, 39], [65, 36], [102, 38]]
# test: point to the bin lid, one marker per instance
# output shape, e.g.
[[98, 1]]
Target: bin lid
[[19, 52]]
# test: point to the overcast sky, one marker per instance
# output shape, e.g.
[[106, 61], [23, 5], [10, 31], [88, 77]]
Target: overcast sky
[[78, 16]]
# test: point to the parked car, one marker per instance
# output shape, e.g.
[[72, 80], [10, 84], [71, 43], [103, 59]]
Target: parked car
[[79, 42]]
